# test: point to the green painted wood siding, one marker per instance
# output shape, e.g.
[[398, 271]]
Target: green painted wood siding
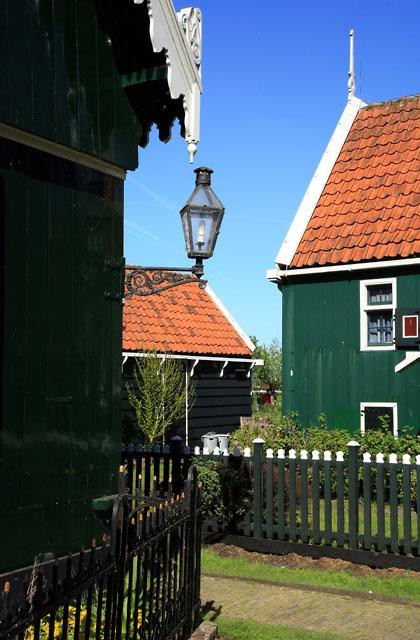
[[58, 79], [61, 245], [323, 367]]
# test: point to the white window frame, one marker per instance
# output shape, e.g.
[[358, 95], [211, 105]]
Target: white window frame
[[392, 405], [365, 308]]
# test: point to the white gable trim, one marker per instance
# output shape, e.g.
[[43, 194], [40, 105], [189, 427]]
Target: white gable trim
[[280, 275], [229, 317], [318, 182], [183, 59]]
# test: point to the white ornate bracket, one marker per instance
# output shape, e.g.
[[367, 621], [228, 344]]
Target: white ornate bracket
[[179, 34]]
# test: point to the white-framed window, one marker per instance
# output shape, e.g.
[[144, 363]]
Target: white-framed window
[[378, 300], [371, 413]]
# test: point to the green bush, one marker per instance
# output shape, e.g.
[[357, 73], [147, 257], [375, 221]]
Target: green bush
[[287, 433], [225, 490]]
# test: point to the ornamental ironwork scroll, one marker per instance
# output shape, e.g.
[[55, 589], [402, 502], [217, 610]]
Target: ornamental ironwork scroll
[[146, 281]]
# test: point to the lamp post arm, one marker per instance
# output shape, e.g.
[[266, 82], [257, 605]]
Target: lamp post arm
[[146, 281]]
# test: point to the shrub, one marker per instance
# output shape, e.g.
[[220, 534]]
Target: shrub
[[288, 434], [225, 490]]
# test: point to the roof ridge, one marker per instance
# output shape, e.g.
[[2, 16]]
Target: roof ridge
[[368, 105]]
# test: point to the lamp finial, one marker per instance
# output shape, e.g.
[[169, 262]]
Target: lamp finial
[[351, 80]]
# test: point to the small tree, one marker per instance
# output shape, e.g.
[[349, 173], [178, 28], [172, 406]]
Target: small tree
[[160, 397], [268, 376]]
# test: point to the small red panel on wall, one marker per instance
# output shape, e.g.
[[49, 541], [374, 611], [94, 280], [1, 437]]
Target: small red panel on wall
[[410, 326], [407, 325]]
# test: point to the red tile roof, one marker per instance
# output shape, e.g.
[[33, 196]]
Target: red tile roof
[[184, 319], [369, 208]]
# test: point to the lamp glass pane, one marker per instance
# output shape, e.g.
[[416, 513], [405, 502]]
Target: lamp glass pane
[[202, 224]]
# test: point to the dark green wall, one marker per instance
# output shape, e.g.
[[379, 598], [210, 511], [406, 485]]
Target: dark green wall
[[58, 79], [321, 345], [219, 404], [61, 224]]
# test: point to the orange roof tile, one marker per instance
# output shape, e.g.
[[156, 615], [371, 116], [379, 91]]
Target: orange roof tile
[[184, 319], [369, 207]]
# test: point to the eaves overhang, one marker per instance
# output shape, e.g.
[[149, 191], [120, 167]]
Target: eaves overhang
[[158, 55], [281, 276], [195, 359]]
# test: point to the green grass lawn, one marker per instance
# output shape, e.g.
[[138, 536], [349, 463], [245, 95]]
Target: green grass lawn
[[406, 586], [247, 630]]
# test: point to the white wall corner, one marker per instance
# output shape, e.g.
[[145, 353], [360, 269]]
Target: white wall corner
[[245, 337], [180, 35], [317, 183]]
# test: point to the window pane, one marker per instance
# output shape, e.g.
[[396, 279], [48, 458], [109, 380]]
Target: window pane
[[380, 294], [380, 328], [373, 421]]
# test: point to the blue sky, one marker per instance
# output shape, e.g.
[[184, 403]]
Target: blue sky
[[274, 86]]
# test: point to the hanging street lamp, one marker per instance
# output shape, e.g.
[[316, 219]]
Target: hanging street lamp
[[201, 218]]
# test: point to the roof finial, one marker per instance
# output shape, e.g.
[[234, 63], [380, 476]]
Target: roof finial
[[351, 83]]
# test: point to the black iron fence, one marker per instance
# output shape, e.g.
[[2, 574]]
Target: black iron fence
[[142, 582]]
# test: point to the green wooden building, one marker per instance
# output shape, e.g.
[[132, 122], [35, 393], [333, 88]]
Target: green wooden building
[[81, 83], [349, 273]]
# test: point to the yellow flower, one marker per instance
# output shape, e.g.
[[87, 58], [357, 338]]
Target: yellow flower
[[139, 619]]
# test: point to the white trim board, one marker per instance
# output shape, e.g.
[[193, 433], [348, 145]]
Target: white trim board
[[229, 317], [277, 275], [318, 182], [392, 405], [410, 358], [179, 356], [61, 151]]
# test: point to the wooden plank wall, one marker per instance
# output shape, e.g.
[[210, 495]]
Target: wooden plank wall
[[60, 421], [323, 367], [58, 79]]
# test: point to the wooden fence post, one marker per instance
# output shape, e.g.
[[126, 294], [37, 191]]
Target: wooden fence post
[[292, 495], [327, 498], [418, 501], [393, 501], [316, 508], [340, 497], [407, 503], [269, 493], [177, 479], [304, 495], [258, 486], [353, 448], [367, 519], [380, 501]]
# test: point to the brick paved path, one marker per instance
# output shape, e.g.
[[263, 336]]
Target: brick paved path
[[354, 618]]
